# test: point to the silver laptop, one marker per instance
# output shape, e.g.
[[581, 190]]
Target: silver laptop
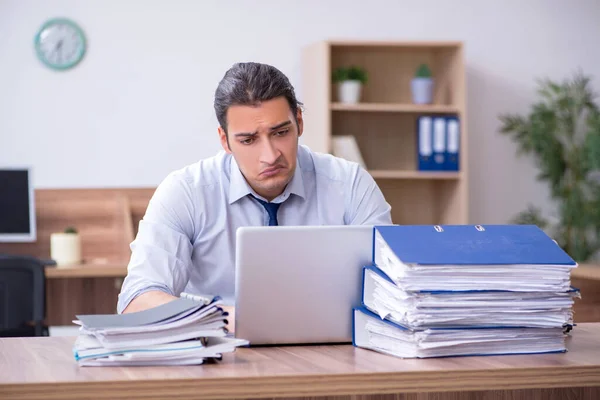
[[298, 284]]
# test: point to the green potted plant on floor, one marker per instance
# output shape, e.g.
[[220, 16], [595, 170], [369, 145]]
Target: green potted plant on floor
[[562, 132]]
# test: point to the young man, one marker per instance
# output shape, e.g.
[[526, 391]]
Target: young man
[[186, 240]]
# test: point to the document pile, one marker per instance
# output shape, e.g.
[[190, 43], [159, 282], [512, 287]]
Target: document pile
[[436, 291], [182, 332]]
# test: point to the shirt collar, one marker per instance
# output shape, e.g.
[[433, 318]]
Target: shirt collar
[[239, 187]]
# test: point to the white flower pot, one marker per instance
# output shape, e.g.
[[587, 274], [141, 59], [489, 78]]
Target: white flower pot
[[349, 92], [65, 248], [422, 90]]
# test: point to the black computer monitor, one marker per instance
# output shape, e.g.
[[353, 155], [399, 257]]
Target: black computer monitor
[[17, 206]]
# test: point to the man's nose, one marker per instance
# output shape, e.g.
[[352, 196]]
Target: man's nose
[[269, 153]]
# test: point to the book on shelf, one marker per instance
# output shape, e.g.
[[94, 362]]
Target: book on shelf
[[346, 147]]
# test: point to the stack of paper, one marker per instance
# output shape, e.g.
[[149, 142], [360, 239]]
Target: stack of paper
[[181, 332], [465, 308], [464, 290]]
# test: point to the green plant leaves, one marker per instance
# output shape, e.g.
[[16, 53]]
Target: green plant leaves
[[352, 72], [562, 133], [423, 71]]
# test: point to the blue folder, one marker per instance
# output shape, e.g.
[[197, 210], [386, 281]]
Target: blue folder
[[425, 160], [452, 144], [471, 245]]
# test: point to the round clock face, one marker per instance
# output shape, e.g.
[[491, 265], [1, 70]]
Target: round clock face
[[60, 44]]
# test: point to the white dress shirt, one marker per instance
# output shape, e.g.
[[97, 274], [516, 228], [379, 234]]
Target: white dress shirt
[[186, 240]]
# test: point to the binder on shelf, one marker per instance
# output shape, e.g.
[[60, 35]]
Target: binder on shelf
[[452, 144], [425, 143], [432, 143], [439, 143]]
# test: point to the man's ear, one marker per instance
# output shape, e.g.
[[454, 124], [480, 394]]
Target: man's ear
[[224, 140], [300, 122]]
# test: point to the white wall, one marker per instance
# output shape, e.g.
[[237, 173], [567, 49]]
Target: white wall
[[140, 105]]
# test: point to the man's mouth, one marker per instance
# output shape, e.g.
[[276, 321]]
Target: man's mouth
[[271, 171]]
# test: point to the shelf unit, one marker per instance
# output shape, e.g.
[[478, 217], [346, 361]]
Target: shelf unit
[[384, 122]]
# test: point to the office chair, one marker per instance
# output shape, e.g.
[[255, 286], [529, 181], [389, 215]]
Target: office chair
[[22, 296]]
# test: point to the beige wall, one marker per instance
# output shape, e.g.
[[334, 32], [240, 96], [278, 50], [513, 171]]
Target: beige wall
[[140, 104]]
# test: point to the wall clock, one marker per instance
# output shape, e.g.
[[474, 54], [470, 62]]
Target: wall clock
[[60, 44]]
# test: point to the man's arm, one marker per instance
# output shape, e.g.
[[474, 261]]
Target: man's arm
[[148, 300], [367, 205], [158, 270]]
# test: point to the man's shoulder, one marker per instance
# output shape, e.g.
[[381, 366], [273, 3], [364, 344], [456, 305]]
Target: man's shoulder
[[327, 166], [204, 172]]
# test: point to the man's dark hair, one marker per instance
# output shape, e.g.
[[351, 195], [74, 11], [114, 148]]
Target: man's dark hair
[[249, 84]]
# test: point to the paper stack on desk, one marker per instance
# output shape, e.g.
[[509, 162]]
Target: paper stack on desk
[[181, 332], [465, 290]]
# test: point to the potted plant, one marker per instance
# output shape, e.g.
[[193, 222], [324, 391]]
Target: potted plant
[[350, 81], [422, 85], [562, 133], [65, 247]]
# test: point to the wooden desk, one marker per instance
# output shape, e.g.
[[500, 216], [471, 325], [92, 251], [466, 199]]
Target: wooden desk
[[586, 271], [108, 270], [586, 277], [82, 289], [36, 368]]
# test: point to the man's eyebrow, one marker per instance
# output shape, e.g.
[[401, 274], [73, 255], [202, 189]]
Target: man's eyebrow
[[273, 128], [246, 134], [281, 125]]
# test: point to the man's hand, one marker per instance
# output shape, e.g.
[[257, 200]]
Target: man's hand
[[148, 300]]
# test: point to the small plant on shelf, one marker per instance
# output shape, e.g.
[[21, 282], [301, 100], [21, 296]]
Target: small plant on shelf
[[71, 230], [422, 85], [350, 81]]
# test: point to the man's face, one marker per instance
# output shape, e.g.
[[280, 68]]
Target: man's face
[[264, 141]]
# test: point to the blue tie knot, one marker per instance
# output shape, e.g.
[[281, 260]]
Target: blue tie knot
[[271, 210]]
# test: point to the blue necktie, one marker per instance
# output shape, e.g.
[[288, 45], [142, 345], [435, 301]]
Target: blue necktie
[[271, 210]]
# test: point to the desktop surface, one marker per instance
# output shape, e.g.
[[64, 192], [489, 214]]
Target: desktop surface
[[45, 368]]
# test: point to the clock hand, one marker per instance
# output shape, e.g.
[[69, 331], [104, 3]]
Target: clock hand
[[59, 49]]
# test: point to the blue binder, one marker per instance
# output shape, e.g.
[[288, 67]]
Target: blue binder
[[358, 335], [439, 143], [471, 245], [452, 144], [425, 143]]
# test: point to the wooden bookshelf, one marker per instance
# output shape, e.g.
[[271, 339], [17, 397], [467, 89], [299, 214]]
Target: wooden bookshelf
[[384, 122], [403, 174], [392, 107]]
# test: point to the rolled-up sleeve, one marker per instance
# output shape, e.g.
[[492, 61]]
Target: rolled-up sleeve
[[161, 252]]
